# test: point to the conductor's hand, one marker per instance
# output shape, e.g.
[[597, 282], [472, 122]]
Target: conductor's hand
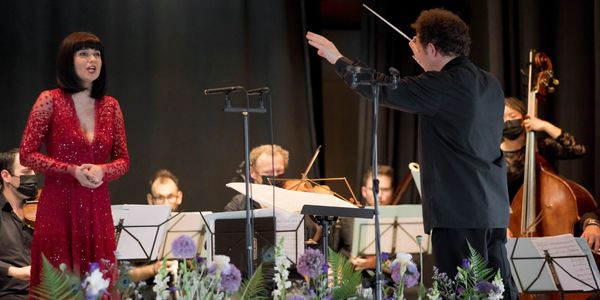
[[86, 178], [326, 48], [592, 235]]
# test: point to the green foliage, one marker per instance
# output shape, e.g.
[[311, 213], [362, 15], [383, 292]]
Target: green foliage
[[479, 266], [345, 278], [56, 284], [253, 288]]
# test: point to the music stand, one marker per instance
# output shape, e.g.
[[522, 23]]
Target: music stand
[[326, 216], [184, 223], [547, 268], [290, 226], [140, 230], [400, 226]]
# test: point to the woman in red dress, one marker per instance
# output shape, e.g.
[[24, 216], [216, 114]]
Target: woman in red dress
[[86, 147]]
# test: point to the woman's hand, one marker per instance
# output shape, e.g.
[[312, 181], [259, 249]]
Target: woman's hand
[[535, 124], [86, 177], [326, 48], [592, 235]]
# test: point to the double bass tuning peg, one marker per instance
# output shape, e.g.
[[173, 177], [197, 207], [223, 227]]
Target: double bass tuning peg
[[555, 81]]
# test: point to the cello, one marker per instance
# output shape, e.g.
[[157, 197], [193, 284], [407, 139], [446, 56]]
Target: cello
[[546, 204]]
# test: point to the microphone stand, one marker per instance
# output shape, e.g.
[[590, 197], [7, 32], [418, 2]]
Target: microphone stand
[[368, 76], [246, 111]]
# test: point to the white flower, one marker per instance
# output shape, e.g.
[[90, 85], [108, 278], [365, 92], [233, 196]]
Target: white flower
[[95, 283], [221, 262], [403, 258]]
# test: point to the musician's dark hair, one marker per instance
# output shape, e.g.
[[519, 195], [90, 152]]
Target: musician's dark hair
[[66, 78], [445, 30], [7, 162]]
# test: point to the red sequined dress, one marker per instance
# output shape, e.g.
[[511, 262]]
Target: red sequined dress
[[74, 224]]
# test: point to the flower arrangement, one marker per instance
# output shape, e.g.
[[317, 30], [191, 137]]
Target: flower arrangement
[[471, 282], [404, 273], [58, 283], [333, 279]]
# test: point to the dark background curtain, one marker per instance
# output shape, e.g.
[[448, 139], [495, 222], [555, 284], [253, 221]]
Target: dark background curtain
[[161, 55]]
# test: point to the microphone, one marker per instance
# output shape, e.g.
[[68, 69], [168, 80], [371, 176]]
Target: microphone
[[258, 91], [223, 90]]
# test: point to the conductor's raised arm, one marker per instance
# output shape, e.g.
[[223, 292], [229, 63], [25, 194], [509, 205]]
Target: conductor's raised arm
[[325, 47]]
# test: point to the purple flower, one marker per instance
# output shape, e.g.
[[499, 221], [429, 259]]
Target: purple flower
[[411, 276], [325, 268], [200, 260], [94, 266], [183, 247], [484, 287], [311, 263], [295, 297], [395, 270], [231, 279], [465, 264], [384, 256]]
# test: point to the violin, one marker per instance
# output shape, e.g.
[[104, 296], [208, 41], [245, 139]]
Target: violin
[[30, 210]]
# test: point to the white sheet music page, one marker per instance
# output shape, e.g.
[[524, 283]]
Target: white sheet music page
[[578, 267], [290, 201]]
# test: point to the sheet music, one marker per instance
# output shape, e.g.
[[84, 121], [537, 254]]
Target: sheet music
[[578, 267], [142, 223], [290, 201]]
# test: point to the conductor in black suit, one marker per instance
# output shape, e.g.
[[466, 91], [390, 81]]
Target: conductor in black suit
[[460, 109]]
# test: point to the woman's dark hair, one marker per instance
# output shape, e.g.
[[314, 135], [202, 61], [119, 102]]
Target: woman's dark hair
[[445, 30], [66, 77]]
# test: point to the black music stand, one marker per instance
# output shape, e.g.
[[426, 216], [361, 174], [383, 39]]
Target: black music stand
[[139, 230], [539, 274], [326, 216]]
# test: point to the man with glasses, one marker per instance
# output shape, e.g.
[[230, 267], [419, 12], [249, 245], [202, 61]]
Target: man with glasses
[[18, 184], [164, 189], [342, 238]]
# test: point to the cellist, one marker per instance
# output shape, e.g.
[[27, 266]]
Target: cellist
[[558, 144]]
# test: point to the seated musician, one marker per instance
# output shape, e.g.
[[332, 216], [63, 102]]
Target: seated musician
[[18, 184], [341, 240], [557, 145], [164, 189], [267, 161]]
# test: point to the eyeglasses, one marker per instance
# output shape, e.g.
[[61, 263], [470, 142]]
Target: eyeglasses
[[159, 199], [382, 189]]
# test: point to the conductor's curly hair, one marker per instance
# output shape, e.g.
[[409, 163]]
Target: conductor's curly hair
[[445, 30]]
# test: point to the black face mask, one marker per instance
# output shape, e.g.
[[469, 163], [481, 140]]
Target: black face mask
[[277, 183], [512, 129], [28, 185]]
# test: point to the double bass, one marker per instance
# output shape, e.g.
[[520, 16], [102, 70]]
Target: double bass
[[546, 204]]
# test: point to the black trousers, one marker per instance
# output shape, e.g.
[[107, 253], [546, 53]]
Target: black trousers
[[450, 248]]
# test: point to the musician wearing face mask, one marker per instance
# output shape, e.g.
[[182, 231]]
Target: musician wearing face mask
[[265, 161], [18, 184], [556, 145]]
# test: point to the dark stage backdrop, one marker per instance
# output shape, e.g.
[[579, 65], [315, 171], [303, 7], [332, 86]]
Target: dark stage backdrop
[[502, 33], [161, 55]]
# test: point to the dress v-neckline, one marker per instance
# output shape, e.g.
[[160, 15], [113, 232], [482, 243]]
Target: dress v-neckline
[[81, 130]]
